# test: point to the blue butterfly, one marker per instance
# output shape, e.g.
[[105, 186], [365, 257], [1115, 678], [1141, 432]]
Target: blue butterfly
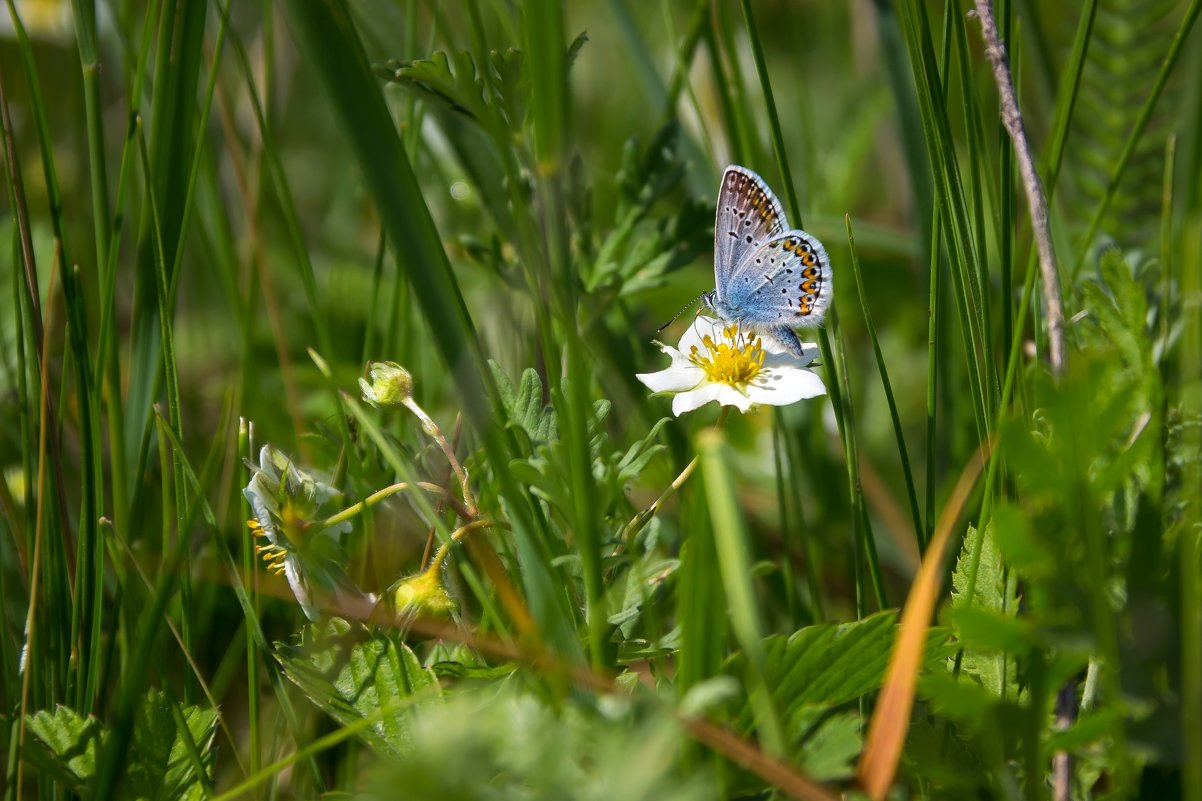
[[766, 278]]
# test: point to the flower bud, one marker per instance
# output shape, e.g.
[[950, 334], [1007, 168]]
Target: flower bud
[[391, 385], [424, 594]]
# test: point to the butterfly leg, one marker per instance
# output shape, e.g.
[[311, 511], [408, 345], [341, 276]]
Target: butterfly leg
[[788, 339]]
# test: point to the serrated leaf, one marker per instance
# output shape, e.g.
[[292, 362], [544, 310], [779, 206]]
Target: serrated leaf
[[830, 663], [459, 89], [524, 406], [63, 745], [161, 766], [459, 670], [994, 594], [508, 81], [830, 747], [351, 674]]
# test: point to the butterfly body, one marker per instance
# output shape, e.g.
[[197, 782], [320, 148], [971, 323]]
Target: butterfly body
[[767, 277]]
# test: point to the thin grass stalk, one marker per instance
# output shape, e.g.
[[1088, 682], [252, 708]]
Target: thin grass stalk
[[684, 58], [1137, 131], [793, 451], [932, 92], [784, 495], [933, 319], [76, 322], [1070, 87], [840, 398], [174, 413], [979, 169], [897, 70], [733, 124], [740, 96], [176, 70], [735, 568], [899, 435], [31, 647], [1037, 203], [107, 361], [85, 27], [1189, 538], [197, 158], [244, 449], [1005, 194]]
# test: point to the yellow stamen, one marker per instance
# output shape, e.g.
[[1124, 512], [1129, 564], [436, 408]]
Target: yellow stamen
[[735, 361]]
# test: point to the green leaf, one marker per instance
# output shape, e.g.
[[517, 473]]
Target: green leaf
[[459, 89], [989, 632], [161, 767], [351, 674], [829, 749], [637, 589], [1019, 546], [829, 664], [1089, 729], [63, 745], [640, 454], [962, 700], [525, 407], [995, 599]]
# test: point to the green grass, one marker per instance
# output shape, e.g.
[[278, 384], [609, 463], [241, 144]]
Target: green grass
[[217, 215]]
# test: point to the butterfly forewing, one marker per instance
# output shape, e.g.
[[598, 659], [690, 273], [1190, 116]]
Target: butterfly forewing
[[749, 215], [784, 282]]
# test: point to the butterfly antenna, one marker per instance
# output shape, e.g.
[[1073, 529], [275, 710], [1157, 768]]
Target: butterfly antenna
[[676, 316]]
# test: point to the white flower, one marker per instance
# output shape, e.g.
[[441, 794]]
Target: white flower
[[286, 501], [715, 361]]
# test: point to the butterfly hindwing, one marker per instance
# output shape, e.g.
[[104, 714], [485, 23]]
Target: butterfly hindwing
[[786, 282], [749, 215]]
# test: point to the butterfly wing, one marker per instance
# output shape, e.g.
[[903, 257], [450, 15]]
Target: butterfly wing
[[785, 282], [748, 216]]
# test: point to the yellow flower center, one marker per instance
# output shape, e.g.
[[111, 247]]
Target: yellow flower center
[[736, 360]]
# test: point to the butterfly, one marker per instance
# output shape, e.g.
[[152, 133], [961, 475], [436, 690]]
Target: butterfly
[[767, 277]]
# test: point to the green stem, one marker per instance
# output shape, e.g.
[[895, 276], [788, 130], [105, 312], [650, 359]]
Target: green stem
[[640, 520], [431, 428], [393, 489]]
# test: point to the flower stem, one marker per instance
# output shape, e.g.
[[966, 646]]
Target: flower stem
[[434, 431], [640, 520], [440, 555], [393, 489]]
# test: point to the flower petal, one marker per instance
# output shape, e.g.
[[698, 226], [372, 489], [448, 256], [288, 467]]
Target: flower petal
[[698, 330], [262, 504], [300, 586], [782, 386], [777, 356], [696, 398], [673, 379]]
